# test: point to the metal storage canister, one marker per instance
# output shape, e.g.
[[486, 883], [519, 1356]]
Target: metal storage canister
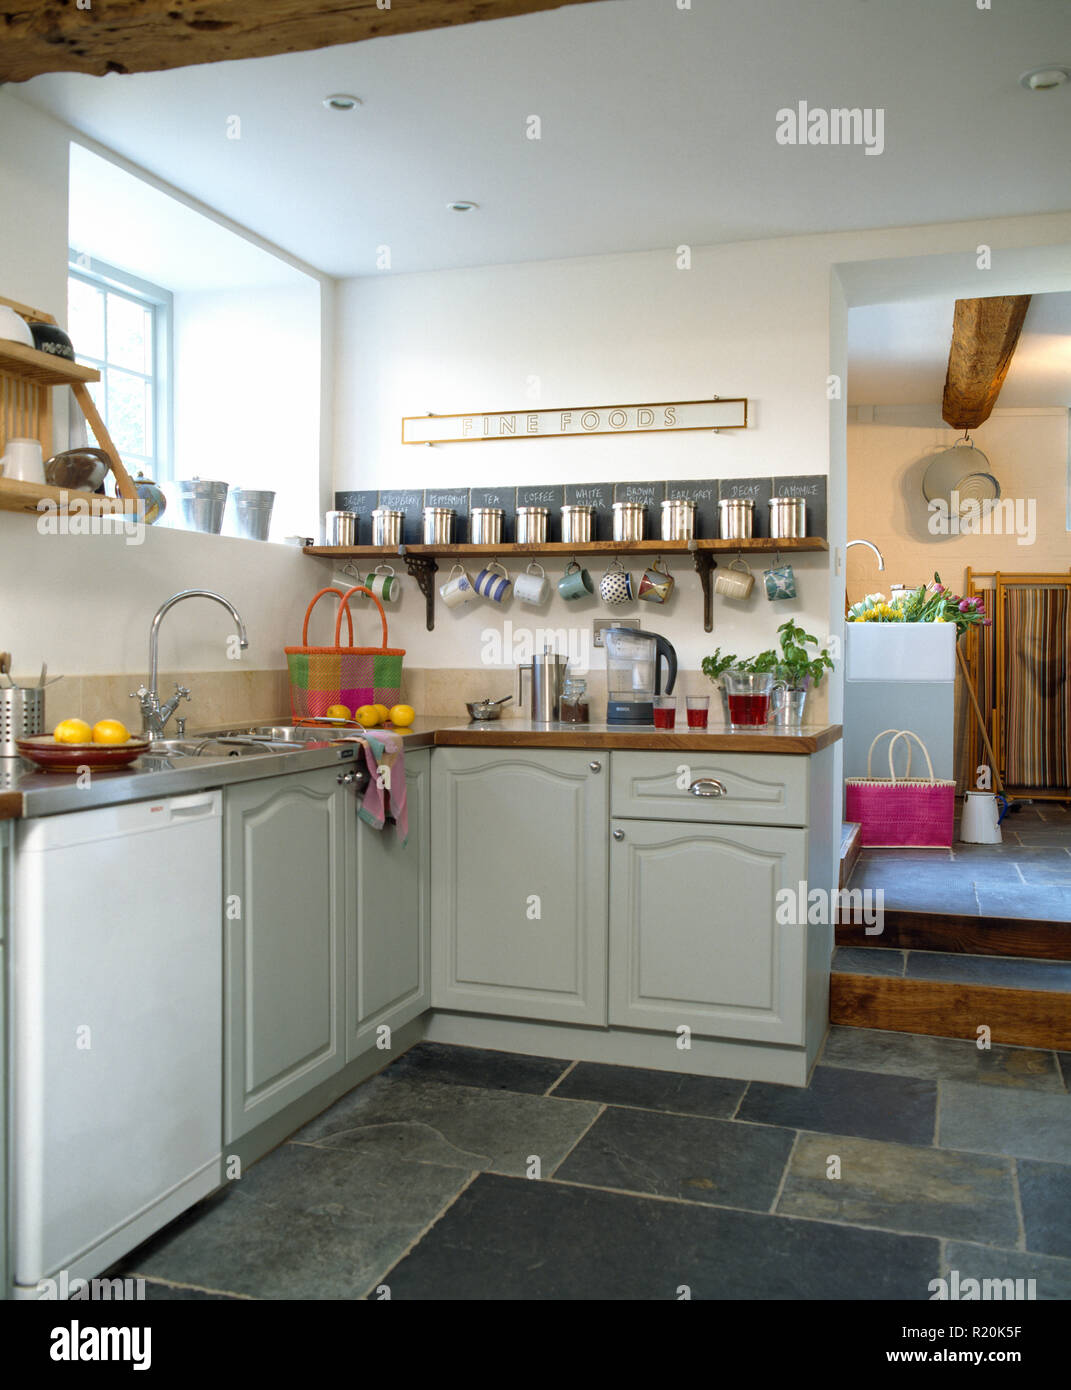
[[439, 525], [578, 522], [628, 521], [485, 526], [736, 517], [387, 526], [678, 519], [340, 528], [532, 525], [788, 517]]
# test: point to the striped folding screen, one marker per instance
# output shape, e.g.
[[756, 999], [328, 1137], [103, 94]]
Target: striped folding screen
[[1036, 643]]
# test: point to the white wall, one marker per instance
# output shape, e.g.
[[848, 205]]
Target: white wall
[[247, 395], [84, 603]]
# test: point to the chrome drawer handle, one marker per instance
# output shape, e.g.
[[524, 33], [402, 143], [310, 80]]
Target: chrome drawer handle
[[707, 786]]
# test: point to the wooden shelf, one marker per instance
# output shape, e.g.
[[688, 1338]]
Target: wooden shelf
[[422, 560], [24, 497], [761, 544], [42, 368]]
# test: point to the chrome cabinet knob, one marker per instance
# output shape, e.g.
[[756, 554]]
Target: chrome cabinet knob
[[707, 786], [595, 767], [619, 834], [346, 779]]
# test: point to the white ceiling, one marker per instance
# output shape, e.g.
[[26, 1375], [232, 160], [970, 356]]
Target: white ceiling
[[898, 353], [123, 220], [658, 128]]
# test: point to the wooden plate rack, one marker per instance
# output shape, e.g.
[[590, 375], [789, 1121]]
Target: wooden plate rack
[[26, 381]]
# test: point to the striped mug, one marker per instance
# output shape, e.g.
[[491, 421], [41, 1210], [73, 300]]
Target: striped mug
[[492, 585]]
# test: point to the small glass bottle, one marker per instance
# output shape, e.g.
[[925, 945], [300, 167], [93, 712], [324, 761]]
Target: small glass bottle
[[573, 705]]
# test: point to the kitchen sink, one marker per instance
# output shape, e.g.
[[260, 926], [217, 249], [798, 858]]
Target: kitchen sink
[[214, 746], [288, 733]]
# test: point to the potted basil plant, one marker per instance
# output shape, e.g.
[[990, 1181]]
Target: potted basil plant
[[797, 670]]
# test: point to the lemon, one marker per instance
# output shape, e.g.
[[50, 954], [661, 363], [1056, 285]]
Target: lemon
[[402, 716], [110, 731], [72, 731], [383, 712], [367, 715], [338, 712]]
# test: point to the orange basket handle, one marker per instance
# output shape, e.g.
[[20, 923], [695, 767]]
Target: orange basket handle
[[312, 605], [359, 589]]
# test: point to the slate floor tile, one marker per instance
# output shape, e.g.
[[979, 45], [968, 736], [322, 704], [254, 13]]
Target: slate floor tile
[[302, 1223], [478, 1066], [507, 1238], [901, 1188], [1046, 875], [470, 1127], [1052, 1276], [941, 1059], [868, 1105], [713, 1096], [1064, 1059], [174, 1293], [1028, 900], [1045, 1191], [867, 960], [697, 1159], [914, 887], [1002, 972], [911, 855], [993, 1119]]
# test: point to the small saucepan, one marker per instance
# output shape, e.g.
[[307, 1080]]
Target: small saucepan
[[481, 710]]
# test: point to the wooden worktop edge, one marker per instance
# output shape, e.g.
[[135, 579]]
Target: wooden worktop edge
[[646, 742]]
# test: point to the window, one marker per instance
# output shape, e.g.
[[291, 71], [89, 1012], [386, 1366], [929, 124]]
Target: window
[[122, 326]]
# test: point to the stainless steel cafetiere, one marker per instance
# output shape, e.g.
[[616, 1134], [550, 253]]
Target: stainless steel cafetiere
[[548, 676]]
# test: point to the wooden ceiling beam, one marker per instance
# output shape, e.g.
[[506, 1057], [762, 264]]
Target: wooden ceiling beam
[[126, 36], [984, 337]]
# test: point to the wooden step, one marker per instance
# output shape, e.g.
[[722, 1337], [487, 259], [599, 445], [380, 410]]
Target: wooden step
[[963, 934], [950, 1009], [850, 849]]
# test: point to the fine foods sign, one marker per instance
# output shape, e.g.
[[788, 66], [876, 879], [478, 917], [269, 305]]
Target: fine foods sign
[[661, 418]]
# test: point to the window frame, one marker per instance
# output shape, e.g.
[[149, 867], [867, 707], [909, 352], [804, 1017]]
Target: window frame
[[160, 303]]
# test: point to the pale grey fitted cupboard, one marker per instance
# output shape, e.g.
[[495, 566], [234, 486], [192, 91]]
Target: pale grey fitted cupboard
[[285, 908], [519, 870]]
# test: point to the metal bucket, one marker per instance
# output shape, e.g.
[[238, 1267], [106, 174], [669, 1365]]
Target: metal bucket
[[788, 517], [22, 715], [736, 517], [251, 513], [202, 505]]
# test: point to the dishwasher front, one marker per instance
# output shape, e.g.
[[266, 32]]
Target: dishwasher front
[[116, 1068]]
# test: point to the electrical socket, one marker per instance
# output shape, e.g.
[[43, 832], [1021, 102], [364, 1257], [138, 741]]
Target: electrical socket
[[599, 626]]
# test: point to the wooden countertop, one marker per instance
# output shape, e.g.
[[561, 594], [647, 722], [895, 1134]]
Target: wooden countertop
[[522, 733]]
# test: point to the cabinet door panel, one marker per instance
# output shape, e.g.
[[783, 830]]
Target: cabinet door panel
[[284, 864], [519, 866], [694, 933], [388, 965]]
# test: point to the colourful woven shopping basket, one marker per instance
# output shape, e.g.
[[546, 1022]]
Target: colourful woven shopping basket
[[904, 811], [352, 676]]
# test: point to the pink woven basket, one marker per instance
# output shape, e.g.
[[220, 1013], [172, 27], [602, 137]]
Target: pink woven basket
[[898, 813]]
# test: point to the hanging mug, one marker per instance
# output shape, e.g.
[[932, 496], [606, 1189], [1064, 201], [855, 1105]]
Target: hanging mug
[[532, 587], [575, 582], [458, 588], [732, 583], [383, 583], [616, 584], [655, 585], [780, 583], [490, 584]]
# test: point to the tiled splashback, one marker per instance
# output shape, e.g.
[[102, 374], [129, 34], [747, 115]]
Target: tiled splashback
[[237, 697]]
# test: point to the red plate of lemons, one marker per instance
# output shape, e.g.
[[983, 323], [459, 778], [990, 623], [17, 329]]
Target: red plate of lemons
[[74, 745]]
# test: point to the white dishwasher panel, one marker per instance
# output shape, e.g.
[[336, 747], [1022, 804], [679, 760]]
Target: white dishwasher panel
[[117, 1028]]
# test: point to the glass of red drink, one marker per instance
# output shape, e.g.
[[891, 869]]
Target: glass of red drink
[[749, 698], [698, 709], [665, 711]]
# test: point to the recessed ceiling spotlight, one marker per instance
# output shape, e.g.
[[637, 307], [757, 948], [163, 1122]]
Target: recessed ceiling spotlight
[[341, 101], [1044, 79], [462, 205]]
